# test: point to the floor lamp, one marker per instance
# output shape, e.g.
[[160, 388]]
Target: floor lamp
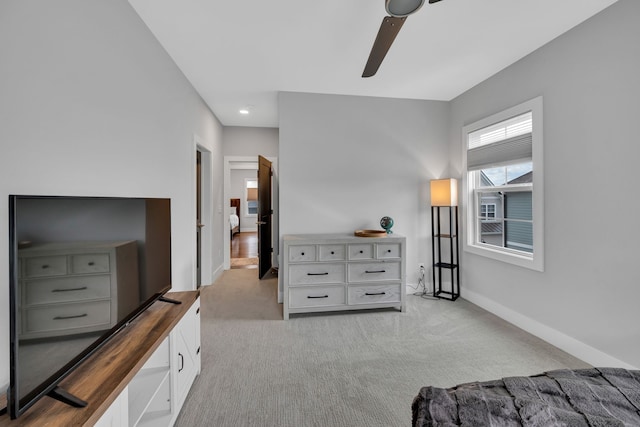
[[444, 194]]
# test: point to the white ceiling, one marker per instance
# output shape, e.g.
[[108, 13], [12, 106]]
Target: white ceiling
[[242, 53]]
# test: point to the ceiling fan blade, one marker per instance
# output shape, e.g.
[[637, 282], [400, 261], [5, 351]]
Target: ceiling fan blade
[[433, 1], [386, 35]]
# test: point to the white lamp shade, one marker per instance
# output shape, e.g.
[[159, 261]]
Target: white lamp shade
[[444, 192]]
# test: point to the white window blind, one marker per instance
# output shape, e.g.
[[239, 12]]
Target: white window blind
[[501, 144]]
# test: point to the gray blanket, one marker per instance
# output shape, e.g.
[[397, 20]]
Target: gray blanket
[[596, 397]]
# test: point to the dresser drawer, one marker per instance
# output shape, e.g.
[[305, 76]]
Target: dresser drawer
[[361, 251], [42, 266], [331, 252], [316, 296], [374, 271], [90, 263], [373, 294], [67, 289], [302, 253], [388, 250], [309, 274], [67, 317]]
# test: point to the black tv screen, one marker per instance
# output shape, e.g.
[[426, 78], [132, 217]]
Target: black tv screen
[[81, 268]]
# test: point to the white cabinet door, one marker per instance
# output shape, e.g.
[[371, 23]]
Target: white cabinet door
[[117, 415], [186, 353]]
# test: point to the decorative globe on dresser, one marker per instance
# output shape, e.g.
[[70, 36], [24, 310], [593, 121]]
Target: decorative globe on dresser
[[386, 222]]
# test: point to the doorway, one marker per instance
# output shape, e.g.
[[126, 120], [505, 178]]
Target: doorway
[[250, 165], [203, 214]]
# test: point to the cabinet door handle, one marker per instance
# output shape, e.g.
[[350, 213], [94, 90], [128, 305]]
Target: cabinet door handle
[[82, 288], [317, 274], [320, 296], [198, 310], [181, 362], [375, 293], [375, 271], [198, 350], [75, 316], [91, 263], [45, 266]]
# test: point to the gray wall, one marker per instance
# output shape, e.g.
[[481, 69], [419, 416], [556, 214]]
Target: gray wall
[[250, 141], [92, 105], [587, 297], [347, 161]]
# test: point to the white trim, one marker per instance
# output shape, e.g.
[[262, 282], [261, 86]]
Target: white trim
[[535, 261], [206, 244], [216, 275], [554, 337]]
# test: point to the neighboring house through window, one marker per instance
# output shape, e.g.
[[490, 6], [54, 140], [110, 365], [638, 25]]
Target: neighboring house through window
[[503, 195]]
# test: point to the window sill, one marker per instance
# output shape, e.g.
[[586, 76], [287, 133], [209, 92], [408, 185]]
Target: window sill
[[532, 262]]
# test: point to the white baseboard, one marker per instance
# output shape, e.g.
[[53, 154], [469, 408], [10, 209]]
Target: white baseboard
[[215, 275], [564, 342]]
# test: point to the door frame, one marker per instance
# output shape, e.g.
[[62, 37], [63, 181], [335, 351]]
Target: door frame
[[206, 242], [249, 162]]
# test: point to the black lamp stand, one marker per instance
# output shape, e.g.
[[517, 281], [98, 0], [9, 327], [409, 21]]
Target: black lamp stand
[[452, 262]]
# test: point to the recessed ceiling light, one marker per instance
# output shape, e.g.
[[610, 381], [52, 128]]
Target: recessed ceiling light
[[244, 111]]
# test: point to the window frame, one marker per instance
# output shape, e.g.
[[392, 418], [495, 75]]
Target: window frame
[[470, 198], [246, 196]]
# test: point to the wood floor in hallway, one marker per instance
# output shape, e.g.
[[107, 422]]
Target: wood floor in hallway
[[244, 250]]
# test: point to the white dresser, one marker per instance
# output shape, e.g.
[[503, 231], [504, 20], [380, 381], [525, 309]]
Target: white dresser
[[332, 272], [76, 287]]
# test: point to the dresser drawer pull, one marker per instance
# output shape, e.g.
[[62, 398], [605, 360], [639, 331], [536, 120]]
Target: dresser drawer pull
[[301, 253], [91, 263], [375, 271], [77, 316], [389, 250], [375, 293], [45, 266], [82, 288], [332, 252], [317, 274], [321, 296]]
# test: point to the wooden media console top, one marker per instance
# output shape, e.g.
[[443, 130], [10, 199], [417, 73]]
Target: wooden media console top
[[101, 378]]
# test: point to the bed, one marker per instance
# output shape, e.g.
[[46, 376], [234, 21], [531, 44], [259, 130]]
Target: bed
[[582, 397], [234, 218]]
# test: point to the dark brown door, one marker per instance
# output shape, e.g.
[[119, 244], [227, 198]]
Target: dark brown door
[[264, 217]]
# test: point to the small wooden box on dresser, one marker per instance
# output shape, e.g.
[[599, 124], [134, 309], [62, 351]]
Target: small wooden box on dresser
[[334, 272]]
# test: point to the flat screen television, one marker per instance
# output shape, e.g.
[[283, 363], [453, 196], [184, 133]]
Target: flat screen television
[[81, 269]]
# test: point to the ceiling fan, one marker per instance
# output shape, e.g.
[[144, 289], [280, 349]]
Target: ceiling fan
[[398, 11]]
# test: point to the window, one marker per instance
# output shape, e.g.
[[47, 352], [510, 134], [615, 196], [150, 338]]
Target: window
[[487, 211], [251, 191], [503, 192]]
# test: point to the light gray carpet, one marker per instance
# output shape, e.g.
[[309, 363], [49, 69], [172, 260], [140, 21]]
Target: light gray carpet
[[346, 369]]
